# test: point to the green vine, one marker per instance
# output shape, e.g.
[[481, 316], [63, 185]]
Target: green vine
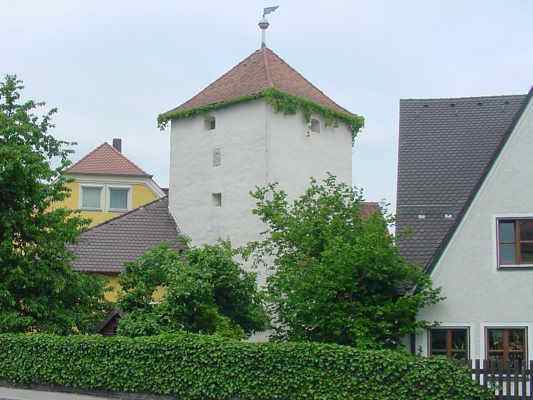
[[281, 102]]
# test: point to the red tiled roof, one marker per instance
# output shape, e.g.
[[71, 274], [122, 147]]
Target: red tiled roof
[[263, 69], [368, 208], [105, 159]]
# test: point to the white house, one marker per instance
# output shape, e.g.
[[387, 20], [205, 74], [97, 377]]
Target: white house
[[230, 138], [465, 214]]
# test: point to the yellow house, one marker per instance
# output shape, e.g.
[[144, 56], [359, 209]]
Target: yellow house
[[106, 184], [105, 248]]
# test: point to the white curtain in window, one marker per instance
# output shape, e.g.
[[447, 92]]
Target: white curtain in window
[[90, 197], [118, 199]]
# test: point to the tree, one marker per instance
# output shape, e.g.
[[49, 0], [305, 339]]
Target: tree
[[202, 290], [337, 275], [39, 291]]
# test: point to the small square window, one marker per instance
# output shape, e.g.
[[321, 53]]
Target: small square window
[[91, 198], [314, 125], [217, 157], [118, 198], [210, 123], [217, 199]]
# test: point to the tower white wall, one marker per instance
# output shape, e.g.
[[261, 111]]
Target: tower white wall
[[240, 135], [297, 154], [257, 146]]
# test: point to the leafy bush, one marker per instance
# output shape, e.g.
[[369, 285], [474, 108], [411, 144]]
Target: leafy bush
[[207, 367], [203, 290]]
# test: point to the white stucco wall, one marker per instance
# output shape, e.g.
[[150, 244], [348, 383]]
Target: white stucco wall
[[240, 134], [478, 295], [297, 155], [258, 146]]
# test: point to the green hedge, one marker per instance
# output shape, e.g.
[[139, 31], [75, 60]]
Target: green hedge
[[204, 368]]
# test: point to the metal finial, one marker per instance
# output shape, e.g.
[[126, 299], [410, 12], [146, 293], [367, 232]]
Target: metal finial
[[263, 24]]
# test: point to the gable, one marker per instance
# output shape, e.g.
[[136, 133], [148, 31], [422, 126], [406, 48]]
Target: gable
[[445, 147], [468, 269]]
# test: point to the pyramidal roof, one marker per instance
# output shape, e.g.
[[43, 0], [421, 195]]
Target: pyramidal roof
[[106, 160], [262, 70]]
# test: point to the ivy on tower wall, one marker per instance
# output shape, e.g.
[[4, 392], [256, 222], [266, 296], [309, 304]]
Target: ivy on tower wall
[[281, 102]]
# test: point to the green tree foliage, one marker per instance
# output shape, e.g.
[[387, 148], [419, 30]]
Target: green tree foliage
[[202, 290], [338, 276], [38, 289]]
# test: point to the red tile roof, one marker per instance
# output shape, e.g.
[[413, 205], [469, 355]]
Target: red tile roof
[[106, 160], [263, 69], [369, 208]]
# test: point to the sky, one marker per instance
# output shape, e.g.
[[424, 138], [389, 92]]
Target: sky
[[112, 66]]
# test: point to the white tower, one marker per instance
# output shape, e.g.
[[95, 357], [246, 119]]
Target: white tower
[[219, 156]]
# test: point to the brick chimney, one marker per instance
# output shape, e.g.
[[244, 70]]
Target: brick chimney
[[117, 144]]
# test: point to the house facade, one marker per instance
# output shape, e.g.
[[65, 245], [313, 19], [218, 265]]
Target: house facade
[[465, 215], [230, 138], [106, 184]]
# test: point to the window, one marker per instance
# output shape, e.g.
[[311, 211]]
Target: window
[[450, 342], [515, 242], [314, 125], [506, 345], [210, 123], [217, 199], [217, 157], [91, 197], [118, 198]]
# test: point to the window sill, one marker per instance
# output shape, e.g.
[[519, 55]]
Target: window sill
[[119, 210], [92, 209], [515, 267]]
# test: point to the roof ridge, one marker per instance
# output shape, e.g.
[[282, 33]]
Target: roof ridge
[[151, 203], [267, 67], [309, 82], [465, 97], [107, 147]]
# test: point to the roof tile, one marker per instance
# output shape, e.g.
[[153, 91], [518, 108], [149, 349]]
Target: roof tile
[[445, 146], [261, 70], [105, 159], [106, 247]]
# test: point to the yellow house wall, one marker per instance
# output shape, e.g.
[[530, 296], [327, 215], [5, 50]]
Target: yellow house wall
[[112, 283], [140, 194]]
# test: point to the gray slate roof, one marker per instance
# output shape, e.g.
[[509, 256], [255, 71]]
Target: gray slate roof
[[106, 247], [445, 148]]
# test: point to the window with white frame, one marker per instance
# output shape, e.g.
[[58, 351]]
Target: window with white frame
[[515, 242], [118, 198], [450, 342], [91, 197], [507, 346]]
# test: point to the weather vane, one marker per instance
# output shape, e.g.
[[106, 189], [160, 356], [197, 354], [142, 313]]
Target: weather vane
[[263, 24]]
